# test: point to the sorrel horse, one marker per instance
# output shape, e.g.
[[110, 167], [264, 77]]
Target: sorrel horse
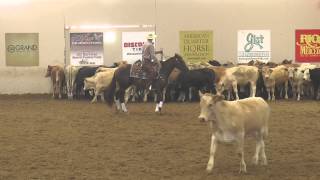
[[121, 81]]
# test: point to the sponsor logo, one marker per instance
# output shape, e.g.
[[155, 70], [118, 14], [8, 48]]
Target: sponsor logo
[[309, 44], [253, 40], [133, 44], [22, 48]]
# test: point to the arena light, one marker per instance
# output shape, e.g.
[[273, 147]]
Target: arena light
[[107, 26], [109, 37], [13, 2], [147, 26], [86, 27]]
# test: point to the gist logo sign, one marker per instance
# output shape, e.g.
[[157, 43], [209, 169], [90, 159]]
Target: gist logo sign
[[254, 45], [308, 45]]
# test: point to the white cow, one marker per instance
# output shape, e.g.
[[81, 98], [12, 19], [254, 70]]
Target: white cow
[[296, 81], [307, 85], [99, 82], [231, 121], [273, 77], [70, 74], [239, 75]]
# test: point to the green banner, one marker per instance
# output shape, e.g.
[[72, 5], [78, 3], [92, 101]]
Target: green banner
[[22, 49], [196, 46]]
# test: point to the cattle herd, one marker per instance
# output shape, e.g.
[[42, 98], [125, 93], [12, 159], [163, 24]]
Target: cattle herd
[[230, 121], [268, 80]]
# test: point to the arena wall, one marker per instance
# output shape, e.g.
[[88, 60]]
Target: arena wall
[[224, 18]]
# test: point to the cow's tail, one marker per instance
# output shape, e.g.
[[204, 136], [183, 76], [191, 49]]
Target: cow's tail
[[110, 91]]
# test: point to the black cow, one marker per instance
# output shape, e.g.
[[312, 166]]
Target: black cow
[[200, 79], [214, 63], [83, 73], [315, 78]]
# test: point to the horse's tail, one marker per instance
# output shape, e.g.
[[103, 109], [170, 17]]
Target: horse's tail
[[110, 91]]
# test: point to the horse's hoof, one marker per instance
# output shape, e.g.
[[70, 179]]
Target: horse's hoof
[[159, 111]]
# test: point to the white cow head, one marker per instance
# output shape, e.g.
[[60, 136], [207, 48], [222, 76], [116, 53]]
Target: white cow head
[[292, 71], [306, 75], [266, 72], [207, 105]]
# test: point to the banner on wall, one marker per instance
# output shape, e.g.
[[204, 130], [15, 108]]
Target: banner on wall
[[22, 49], [254, 45], [132, 43], [86, 49], [307, 45], [196, 46]]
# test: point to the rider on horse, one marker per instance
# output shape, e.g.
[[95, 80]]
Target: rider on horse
[[150, 63]]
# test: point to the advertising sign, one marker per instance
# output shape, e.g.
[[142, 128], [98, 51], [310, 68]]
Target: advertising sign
[[22, 49], [132, 43], [196, 46], [86, 49], [307, 45], [254, 45]]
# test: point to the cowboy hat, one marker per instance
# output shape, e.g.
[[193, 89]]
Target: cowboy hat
[[151, 36]]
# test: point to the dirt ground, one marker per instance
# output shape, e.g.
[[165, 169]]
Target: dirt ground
[[43, 138]]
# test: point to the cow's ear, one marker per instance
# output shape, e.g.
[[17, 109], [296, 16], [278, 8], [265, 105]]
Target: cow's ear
[[200, 94]]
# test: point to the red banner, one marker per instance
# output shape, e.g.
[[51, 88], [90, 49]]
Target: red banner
[[308, 45]]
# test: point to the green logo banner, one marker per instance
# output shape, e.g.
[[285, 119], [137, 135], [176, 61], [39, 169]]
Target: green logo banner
[[196, 46], [22, 49]]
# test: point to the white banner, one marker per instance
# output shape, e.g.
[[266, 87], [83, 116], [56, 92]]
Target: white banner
[[254, 45], [132, 43], [86, 49]]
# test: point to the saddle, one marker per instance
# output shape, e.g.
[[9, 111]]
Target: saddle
[[136, 70], [144, 71]]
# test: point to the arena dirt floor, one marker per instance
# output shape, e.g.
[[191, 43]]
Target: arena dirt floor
[[43, 138]]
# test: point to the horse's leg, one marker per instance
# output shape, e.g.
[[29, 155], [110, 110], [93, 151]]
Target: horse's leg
[[133, 93], [164, 93], [145, 93], [121, 96], [155, 97], [128, 94], [117, 101], [159, 98]]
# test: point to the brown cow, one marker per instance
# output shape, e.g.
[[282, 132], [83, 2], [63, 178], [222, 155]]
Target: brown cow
[[273, 77], [58, 79]]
